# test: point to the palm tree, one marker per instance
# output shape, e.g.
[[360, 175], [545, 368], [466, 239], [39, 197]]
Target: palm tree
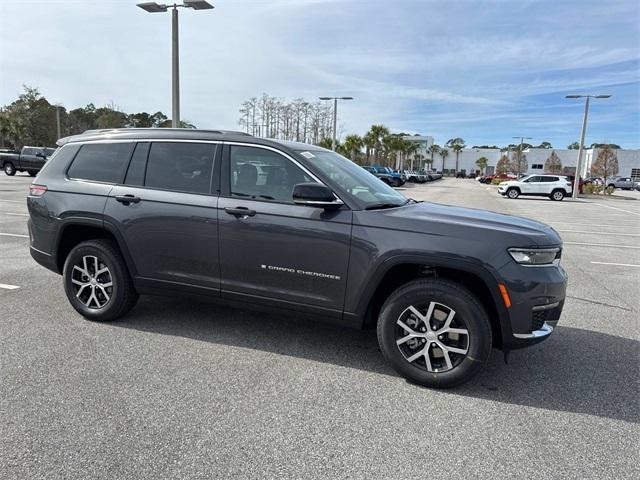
[[456, 144], [377, 133], [410, 149], [418, 157], [369, 143], [352, 145], [444, 153], [433, 149], [482, 163]]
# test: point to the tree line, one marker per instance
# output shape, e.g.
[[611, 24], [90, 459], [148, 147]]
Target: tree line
[[312, 122], [32, 120]]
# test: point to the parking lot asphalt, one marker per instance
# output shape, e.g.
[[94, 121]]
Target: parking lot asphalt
[[185, 389]]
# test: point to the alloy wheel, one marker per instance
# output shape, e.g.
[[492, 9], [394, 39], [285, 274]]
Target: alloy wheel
[[92, 282], [431, 337], [558, 195]]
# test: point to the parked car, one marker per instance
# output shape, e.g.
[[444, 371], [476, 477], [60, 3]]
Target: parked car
[[555, 187], [625, 183], [29, 159], [173, 212], [414, 176], [460, 175], [593, 180], [385, 174], [472, 175]]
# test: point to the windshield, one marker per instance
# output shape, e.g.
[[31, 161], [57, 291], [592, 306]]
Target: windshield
[[353, 179]]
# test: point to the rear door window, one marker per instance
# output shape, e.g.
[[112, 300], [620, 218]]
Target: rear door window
[[180, 166], [101, 162], [137, 166]]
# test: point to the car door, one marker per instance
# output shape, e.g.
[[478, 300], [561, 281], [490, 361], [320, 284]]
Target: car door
[[531, 185], [26, 158], [272, 250], [167, 215]]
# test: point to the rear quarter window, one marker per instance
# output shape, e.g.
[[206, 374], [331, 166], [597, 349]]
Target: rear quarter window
[[101, 162]]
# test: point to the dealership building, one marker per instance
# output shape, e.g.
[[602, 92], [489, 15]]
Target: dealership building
[[628, 160]]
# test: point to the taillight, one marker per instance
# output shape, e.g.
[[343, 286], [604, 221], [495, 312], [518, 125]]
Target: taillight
[[37, 190]]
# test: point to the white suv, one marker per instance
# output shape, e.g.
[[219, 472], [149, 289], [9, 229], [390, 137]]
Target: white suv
[[553, 186]]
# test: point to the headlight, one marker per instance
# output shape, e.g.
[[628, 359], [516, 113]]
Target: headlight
[[535, 256]]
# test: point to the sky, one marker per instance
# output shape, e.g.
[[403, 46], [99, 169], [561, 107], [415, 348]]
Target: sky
[[485, 71]]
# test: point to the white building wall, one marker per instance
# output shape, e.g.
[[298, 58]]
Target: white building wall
[[536, 157]]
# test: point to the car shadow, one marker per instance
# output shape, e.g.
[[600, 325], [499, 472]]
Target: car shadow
[[576, 370]]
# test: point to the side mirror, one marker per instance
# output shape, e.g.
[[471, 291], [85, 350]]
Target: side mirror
[[315, 195]]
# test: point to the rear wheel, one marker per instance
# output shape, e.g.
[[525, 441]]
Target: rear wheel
[[396, 182], [32, 173], [557, 195], [9, 169], [513, 193], [97, 282], [434, 333]]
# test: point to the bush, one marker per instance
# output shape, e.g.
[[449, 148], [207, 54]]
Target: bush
[[497, 181]]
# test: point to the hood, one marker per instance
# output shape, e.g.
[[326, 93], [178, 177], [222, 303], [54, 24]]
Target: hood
[[483, 225]]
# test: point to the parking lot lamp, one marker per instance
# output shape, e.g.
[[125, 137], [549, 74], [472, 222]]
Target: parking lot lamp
[[335, 116], [576, 180], [153, 7]]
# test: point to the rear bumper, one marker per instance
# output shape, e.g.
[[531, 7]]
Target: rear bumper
[[46, 260]]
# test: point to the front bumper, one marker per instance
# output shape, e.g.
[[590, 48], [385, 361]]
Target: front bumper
[[537, 298]]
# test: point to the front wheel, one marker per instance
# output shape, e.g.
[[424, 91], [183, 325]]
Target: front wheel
[[434, 333], [513, 193], [9, 169], [32, 173], [396, 183], [97, 281], [557, 195]]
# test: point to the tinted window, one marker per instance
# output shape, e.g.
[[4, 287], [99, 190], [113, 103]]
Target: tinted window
[[27, 151], [185, 167], [264, 175], [534, 179], [101, 162], [135, 173], [550, 179]]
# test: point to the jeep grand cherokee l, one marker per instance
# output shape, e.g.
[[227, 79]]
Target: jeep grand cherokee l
[[296, 227]]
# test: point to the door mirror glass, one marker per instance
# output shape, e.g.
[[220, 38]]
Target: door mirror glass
[[315, 195]]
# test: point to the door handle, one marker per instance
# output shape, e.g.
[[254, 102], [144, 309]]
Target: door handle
[[240, 211], [127, 199]]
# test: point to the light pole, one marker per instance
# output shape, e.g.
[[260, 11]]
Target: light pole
[[335, 116], [522, 139], [576, 180], [153, 7], [58, 119]]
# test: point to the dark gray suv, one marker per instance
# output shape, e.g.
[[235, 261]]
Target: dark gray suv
[[292, 226]]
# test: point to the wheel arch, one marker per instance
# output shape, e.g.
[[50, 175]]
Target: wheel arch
[[77, 230], [399, 270]]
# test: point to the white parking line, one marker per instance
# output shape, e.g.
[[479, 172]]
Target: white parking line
[[599, 245], [14, 235], [12, 201], [615, 234], [16, 214], [8, 287], [618, 264], [616, 208]]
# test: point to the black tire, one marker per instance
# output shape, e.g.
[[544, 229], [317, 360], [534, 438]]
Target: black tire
[[122, 296], [557, 195], [9, 169], [513, 193], [469, 312], [32, 173], [396, 183]]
